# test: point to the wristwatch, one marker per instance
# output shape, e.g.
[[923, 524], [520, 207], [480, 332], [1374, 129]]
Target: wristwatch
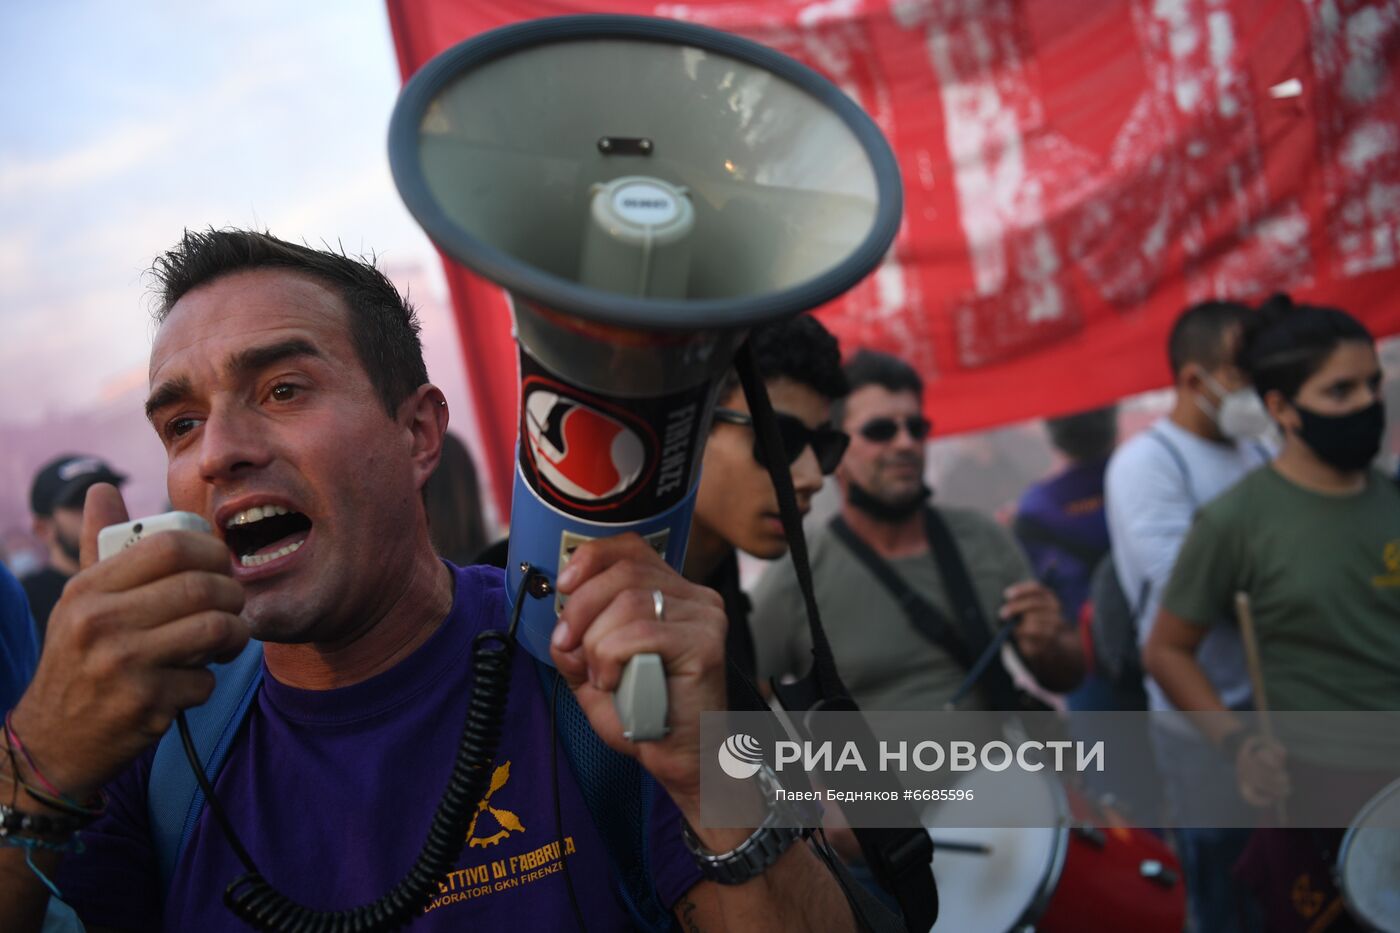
[[774, 836]]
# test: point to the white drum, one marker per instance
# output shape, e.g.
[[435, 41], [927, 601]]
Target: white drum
[[1009, 882], [1368, 864], [1075, 866]]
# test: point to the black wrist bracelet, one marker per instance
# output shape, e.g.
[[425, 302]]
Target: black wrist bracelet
[[18, 823]]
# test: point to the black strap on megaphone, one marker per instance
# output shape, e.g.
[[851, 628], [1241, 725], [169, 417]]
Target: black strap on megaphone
[[899, 858]]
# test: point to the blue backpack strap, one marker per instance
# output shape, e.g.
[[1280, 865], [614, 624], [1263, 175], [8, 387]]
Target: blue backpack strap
[[619, 796], [61, 918], [174, 800]]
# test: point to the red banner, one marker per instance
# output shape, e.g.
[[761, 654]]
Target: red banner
[[1075, 174]]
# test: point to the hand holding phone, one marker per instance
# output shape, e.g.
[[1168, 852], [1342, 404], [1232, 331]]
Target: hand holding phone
[[115, 538], [128, 643]]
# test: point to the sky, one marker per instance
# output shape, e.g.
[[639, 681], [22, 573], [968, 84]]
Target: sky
[[125, 123]]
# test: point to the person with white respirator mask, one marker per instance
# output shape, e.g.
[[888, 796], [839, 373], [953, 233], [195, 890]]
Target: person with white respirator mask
[[1156, 482]]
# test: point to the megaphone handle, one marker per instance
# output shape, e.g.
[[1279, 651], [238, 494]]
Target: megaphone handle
[[641, 699]]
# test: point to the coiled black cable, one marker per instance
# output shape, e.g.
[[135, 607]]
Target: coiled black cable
[[256, 902]]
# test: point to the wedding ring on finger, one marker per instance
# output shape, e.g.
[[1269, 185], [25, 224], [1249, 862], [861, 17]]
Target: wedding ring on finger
[[658, 605]]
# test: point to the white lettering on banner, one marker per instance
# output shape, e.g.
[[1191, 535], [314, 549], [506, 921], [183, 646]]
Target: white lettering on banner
[[1002, 184], [1358, 135], [1184, 166], [1021, 761], [1095, 754], [1202, 96]]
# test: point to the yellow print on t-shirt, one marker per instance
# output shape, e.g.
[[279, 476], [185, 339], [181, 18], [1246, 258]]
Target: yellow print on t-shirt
[[490, 826], [502, 874], [503, 820], [1391, 557]]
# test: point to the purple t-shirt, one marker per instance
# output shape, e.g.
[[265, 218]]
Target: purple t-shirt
[[1070, 507], [332, 793]]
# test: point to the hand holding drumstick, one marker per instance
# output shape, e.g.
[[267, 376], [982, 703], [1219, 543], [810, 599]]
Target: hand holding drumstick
[[1260, 759]]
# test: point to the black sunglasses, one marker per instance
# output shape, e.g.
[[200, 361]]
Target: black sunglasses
[[827, 443], [880, 430]]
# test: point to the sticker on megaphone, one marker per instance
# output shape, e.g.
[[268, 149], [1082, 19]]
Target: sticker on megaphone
[[569, 542]]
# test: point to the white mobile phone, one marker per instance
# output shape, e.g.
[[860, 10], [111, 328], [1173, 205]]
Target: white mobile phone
[[116, 538]]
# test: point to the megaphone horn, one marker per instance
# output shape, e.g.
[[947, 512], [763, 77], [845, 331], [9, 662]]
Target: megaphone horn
[[646, 191]]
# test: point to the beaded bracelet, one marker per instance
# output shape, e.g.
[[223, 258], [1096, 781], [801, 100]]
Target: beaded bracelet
[[72, 846], [17, 823]]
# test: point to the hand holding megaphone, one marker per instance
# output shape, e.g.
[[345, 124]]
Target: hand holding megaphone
[[625, 603]]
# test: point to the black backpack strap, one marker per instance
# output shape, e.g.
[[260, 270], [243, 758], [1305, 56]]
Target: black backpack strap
[[922, 614], [967, 608], [899, 858]]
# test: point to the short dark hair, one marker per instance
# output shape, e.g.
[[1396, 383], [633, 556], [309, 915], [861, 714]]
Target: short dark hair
[[1198, 336], [383, 326], [871, 367], [1285, 344], [1085, 436], [800, 349]]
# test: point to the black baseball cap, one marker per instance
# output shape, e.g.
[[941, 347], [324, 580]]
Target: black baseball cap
[[65, 481]]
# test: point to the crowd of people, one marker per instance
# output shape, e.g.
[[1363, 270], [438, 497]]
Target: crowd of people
[[350, 553]]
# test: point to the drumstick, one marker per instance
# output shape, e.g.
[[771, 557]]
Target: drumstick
[[1256, 678], [965, 848], [979, 667]]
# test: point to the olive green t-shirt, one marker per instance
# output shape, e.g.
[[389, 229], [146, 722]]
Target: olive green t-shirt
[[883, 660], [1323, 577]]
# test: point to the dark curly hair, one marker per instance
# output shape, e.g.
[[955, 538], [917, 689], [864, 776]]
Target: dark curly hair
[[800, 349], [1284, 344]]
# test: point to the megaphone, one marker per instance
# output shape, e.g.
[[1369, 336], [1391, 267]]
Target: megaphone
[[647, 191]]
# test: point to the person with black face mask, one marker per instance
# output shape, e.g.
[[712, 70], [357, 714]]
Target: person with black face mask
[[1313, 539], [890, 659]]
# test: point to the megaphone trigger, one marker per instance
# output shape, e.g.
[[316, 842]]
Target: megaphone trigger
[[641, 699], [641, 693]]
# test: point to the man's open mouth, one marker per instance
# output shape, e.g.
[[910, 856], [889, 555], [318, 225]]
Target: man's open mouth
[[265, 533]]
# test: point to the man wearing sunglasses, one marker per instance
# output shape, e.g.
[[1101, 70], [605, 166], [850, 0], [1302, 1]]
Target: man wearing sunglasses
[[736, 508], [875, 562]]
